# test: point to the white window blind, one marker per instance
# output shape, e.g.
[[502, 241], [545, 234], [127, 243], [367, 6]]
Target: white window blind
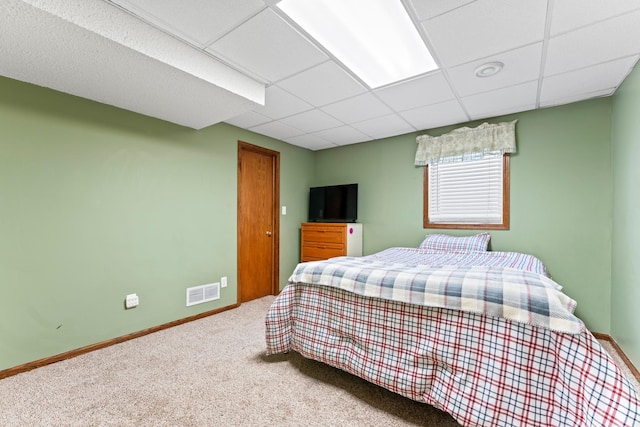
[[468, 192]]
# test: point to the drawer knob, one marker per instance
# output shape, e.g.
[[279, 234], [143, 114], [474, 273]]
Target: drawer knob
[[269, 233]]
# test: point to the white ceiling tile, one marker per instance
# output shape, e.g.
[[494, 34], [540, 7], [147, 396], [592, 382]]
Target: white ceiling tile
[[279, 103], [605, 41], [198, 21], [343, 135], [248, 120], [481, 104], [97, 51], [520, 65], [149, 56], [571, 14], [269, 47], [504, 111], [312, 121], [357, 109], [586, 80], [486, 27], [384, 127], [310, 141], [426, 90], [322, 85], [276, 130], [575, 98], [433, 116], [427, 9]]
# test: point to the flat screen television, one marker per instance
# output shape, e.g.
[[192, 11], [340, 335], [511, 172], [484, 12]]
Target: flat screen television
[[333, 203]]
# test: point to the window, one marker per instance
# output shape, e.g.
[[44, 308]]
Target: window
[[473, 194], [466, 177]]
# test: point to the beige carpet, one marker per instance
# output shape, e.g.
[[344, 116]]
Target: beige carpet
[[620, 362], [211, 372]]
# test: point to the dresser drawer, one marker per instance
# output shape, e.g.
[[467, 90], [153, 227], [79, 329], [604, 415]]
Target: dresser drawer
[[334, 235], [313, 252]]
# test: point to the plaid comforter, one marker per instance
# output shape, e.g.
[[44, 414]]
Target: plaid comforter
[[484, 370], [519, 295], [416, 256]]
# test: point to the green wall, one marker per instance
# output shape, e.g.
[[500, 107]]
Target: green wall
[[560, 197], [97, 202], [625, 323]]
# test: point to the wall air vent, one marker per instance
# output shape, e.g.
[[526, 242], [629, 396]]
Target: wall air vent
[[204, 293]]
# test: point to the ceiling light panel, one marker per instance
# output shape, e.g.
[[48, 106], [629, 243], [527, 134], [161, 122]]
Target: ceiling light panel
[[377, 40]]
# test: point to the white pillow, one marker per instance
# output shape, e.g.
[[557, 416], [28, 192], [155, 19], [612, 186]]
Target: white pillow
[[446, 243]]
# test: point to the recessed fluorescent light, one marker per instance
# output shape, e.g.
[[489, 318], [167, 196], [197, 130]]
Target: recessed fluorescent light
[[376, 39]]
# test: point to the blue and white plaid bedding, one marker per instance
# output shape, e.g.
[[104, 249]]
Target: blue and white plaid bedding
[[518, 295], [416, 256]]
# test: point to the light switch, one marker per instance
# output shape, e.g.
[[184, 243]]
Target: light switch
[[284, 210]]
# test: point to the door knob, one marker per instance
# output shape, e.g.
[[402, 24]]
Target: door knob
[[269, 233]]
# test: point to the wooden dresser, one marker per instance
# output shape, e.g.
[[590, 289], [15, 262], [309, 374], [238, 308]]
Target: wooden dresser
[[322, 240]]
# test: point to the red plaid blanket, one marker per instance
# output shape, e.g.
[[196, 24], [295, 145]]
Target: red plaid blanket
[[484, 370]]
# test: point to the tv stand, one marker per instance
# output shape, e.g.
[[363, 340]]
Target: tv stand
[[323, 240]]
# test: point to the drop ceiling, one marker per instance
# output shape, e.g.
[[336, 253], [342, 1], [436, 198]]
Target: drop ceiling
[[200, 62]]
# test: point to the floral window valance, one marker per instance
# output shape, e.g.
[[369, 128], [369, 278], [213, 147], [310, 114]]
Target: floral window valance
[[466, 142]]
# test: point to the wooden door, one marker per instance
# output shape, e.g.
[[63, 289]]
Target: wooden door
[[258, 221]]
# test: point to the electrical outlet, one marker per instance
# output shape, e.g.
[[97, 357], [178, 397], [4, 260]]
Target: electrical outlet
[[223, 282], [131, 301]]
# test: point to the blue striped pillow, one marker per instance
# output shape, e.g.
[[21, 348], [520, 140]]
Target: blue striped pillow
[[446, 243]]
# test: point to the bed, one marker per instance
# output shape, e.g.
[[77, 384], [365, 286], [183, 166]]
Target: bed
[[486, 336]]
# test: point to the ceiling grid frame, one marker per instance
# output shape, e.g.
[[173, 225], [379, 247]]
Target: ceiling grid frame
[[449, 95]]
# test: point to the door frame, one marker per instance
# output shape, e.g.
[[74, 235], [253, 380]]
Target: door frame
[[275, 267]]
